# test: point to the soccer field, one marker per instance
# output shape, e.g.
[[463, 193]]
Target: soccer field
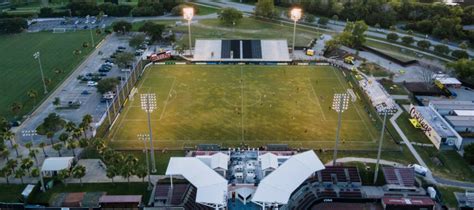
[[232, 105], [20, 71]]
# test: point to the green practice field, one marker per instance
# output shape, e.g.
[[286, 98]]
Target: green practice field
[[253, 105], [20, 71]]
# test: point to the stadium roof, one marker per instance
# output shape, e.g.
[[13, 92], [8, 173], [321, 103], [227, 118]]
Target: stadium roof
[[241, 50], [280, 184], [461, 121], [464, 113], [219, 160], [408, 201], [211, 187], [452, 105], [56, 163], [268, 160]]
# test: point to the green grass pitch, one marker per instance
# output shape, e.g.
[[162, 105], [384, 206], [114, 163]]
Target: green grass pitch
[[254, 105], [20, 71]]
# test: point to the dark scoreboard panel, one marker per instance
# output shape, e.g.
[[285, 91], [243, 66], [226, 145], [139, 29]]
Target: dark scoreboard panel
[[251, 49]]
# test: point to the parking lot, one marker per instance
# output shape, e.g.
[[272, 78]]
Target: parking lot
[[75, 91]]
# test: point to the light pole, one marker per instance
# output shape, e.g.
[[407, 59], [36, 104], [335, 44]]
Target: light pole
[[30, 133], [144, 137], [340, 103], [90, 29], [295, 15], [36, 55], [188, 13], [148, 102], [379, 152]]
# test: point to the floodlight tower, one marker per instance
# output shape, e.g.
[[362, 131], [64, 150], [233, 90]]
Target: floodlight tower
[[340, 103], [144, 137], [29, 133], [188, 13], [379, 152], [37, 56], [148, 102], [295, 15]]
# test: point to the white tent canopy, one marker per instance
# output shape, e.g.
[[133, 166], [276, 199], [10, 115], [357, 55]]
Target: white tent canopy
[[211, 187], [277, 187], [56, 163], [268, 161], [219, 160]]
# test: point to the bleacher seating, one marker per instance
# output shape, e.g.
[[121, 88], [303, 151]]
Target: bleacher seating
[[337, 174], [399, 176]]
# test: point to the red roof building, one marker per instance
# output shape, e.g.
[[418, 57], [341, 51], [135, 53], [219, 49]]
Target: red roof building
[[408, 203]]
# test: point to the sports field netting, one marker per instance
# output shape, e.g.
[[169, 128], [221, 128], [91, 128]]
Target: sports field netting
[[253, 105]]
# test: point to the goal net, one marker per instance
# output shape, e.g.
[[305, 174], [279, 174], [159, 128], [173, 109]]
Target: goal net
[[59, 30]]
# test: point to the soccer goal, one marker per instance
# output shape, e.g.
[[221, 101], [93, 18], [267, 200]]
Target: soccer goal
[[59, 30]]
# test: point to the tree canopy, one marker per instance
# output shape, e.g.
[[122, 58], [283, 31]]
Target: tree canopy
[[230, 16], [107, 84], [154, 30]]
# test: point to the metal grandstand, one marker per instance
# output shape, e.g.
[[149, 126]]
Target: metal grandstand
[[241, 51]]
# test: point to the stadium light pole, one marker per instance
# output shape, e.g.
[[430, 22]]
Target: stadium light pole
[[379, 152], [148, 102], [144, 137], [37, 56], [295, 15], [188, 13], [340, 103]]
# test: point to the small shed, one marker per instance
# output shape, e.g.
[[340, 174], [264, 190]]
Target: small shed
[[120, 201], [53, 165]]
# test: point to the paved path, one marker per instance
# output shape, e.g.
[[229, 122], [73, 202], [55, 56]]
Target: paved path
[[365, 160]]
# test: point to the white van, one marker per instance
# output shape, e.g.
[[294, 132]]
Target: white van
[[91, 83], [419, 169]]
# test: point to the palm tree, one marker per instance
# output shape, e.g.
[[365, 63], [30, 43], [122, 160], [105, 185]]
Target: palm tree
[[58, 148], [15, 146], [63, 175], [28, 146], [72, 145], [70, 126], [33, 153], [78, 172], [19, 174], [6, 172], [35, 172], [26, 164], [9, 136], [33, 94], [12, 164], [83, 143], [50, 136], [86, 121], [141, 173], [6, 153], [111, 172], [76, 133], [42, 145], [15, 108], [63, 137]]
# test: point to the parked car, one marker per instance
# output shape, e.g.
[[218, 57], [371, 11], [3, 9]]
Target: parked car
[[91, 83], [85, 92], [121, 48]]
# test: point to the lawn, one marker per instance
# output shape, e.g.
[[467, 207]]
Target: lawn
[[20, 71], [254, 105], [11, 193], [204, 10], [135, 188], [448, 197], [393, 88]]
